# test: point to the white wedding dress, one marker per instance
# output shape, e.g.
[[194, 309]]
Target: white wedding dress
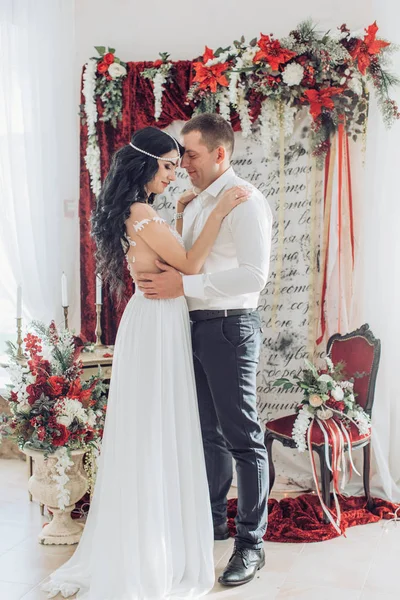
[[149, 532]]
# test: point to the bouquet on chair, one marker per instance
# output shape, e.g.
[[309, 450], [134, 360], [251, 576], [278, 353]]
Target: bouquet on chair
[[329, 403]]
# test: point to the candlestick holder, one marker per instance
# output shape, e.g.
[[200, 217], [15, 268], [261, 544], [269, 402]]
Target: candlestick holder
[[65, 308], [98, 343], [20, 354]]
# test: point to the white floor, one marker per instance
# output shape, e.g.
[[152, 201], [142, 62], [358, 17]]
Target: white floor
[[363, 566]]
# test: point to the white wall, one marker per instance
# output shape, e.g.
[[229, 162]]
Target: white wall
[[139, 30]]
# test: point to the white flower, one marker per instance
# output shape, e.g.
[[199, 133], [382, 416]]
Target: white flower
[[338, 35], [351, 398], [324, 414], [116, 70], [249, 54], [224, 106], [346, 385], [293, 74], [222, 58], [363, 421], [337, 393], [64, 420], [91, 418], [329, 364], [158, 82], [342, 81], [69, 409], [355, 85], [358, 34], [300, 427]]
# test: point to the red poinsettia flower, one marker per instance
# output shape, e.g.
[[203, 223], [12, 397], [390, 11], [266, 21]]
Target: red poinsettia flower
[[14, 397], [210, 77], [321, 98], [272, 52], [157, 63], [56, 385], [76, 392], [102, 67], [108, 58], [60, 436], [75, 389], [365, 49]]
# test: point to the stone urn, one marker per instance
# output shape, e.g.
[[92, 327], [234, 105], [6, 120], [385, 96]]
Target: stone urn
[[62, 529]]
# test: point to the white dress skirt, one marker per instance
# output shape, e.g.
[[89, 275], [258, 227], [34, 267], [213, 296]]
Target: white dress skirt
[[149, 533]]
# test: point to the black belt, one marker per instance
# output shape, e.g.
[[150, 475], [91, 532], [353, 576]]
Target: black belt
[[204, 315]]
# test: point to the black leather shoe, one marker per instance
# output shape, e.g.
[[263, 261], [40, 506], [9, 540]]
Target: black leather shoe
[[242, 566], [221, 532]]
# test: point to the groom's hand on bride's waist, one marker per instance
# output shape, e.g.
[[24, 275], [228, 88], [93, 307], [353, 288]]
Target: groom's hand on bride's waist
[[156, 286]]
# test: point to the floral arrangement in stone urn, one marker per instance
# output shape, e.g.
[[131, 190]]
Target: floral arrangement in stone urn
[[57, 420]]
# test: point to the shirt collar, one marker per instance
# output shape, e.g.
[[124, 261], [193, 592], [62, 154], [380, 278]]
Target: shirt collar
[[217, 186]]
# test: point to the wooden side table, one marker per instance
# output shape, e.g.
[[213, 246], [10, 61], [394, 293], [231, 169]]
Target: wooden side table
[[93, 360]]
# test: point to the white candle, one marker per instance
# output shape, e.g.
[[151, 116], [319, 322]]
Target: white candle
[[98, 289], [19, 302], [64, 290]]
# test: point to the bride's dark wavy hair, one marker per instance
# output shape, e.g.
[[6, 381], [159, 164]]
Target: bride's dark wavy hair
[[129, 172]]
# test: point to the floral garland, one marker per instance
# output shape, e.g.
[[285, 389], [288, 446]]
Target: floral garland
[[329, 73], [102, 77], [159, 74], [329, 402], [111, 72], [92, 156]]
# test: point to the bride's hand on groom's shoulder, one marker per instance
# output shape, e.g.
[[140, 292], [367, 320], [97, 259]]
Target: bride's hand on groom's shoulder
[[187, 197], [232, 198]]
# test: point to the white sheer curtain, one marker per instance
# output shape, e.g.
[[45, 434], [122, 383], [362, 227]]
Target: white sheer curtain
[[39, 155], [381, 280]]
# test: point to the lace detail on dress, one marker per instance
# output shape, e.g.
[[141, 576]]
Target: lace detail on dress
[[139, 225]]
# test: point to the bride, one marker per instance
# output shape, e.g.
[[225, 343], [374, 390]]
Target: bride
[[149, 533]]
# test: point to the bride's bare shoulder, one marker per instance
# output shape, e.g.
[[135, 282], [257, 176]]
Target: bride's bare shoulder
[[141, 210]]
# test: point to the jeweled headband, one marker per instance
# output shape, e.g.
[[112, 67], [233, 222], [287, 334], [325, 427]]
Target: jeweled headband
[[172, 160]]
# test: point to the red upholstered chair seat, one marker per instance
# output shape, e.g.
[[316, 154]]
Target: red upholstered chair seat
[[284, 427]]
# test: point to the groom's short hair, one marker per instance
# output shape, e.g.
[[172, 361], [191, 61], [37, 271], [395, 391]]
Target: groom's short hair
[[215, 131]]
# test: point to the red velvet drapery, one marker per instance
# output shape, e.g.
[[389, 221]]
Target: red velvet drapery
[[137, 112]]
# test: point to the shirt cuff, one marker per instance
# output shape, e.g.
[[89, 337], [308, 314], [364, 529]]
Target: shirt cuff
[[193, 286]]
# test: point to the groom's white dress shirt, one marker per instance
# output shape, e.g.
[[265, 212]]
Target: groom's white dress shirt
[[236, 269]]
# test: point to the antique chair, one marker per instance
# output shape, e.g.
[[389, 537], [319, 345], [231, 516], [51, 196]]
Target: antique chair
[[360, 352]]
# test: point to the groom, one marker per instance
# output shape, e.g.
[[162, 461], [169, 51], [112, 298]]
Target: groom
[[226, 334]]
